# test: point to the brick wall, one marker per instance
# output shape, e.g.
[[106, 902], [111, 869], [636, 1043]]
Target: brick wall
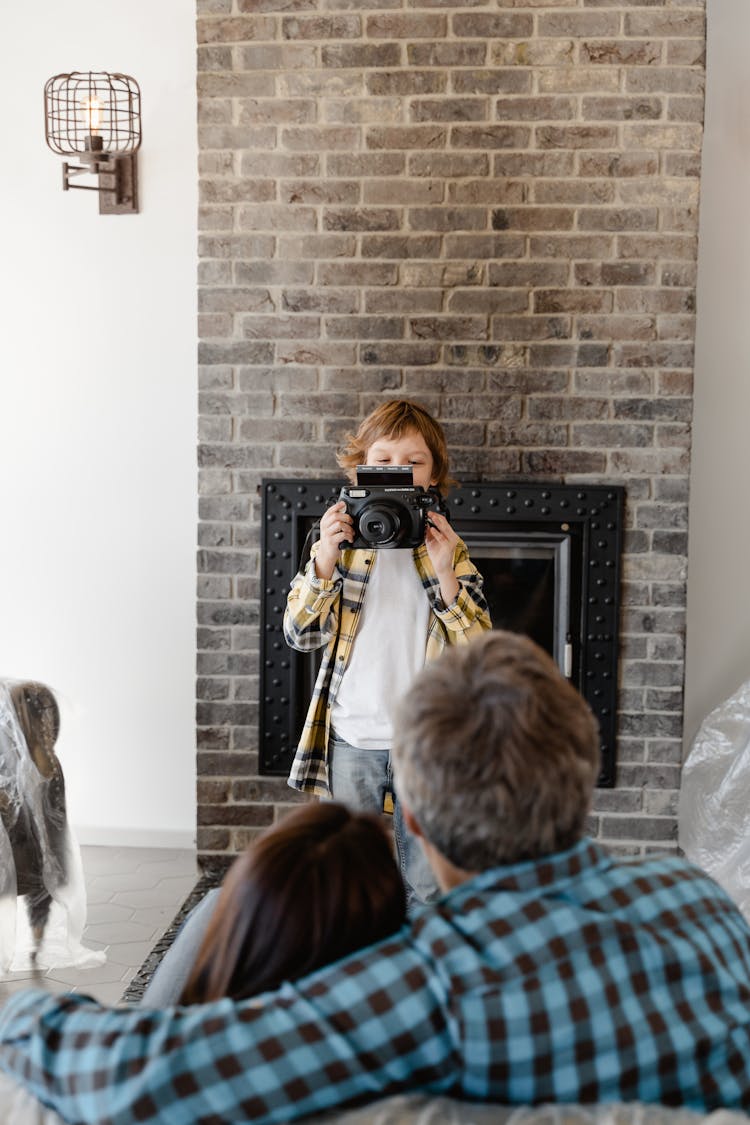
[[490, 207]]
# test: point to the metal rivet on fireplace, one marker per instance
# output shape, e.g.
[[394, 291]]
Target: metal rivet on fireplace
[[276, 682], [580, 511], [593, 562], [594, 512], [601, 544], [476, 508], [593, 600], [607, 675], [601, 581], [597, 692], [528, 502], [270, 554], [604, 711], [277, 573], [271, 487], [544, 510], [594, 525], [284, 664], [286, 554], [580, 495], [301, 504], [493, 501], [564, 503], [278, 534], [270, 517], [610, 526], [318, 498], [270, 628], [285, 518], [609, 562], [270, 591], [599, 618], [476, 493], [510, 493], [546, 495], [283, 699], [458, 501], [301, 488], [510, 509], [609, 601]]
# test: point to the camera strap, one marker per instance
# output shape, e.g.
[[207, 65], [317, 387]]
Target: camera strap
[[312, 535], [306, 551]]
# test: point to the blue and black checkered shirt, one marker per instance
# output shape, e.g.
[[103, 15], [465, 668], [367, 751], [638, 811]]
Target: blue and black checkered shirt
[[577, 978]]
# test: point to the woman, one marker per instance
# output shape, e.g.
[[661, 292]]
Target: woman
[[319, 885]]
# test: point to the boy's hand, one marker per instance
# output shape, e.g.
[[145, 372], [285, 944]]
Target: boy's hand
[[440, 540], [335, 526]]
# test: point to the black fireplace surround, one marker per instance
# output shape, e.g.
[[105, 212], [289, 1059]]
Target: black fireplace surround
[[550, 557]]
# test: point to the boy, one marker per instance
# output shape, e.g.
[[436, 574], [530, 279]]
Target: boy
[[381, 614]]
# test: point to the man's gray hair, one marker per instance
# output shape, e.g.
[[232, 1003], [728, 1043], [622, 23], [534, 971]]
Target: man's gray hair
[[495, 753]]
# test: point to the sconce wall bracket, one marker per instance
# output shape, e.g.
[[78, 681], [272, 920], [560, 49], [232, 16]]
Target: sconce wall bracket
[[117, 182]]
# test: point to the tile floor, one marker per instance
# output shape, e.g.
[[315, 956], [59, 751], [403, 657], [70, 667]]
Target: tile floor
[[133, 895]]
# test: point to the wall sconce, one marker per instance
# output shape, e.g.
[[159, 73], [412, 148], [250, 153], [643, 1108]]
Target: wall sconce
[[96, 117]]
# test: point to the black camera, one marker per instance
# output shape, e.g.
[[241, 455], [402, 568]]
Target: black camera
[[387, 508]]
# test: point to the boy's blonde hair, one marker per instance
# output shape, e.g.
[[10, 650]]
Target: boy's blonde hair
[[390, 420]]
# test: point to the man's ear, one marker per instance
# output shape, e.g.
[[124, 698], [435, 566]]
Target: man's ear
[[411, 823]]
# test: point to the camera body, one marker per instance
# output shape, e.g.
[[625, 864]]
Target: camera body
[[388, 510]]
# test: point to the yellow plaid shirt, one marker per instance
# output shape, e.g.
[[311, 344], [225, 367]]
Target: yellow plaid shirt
[[326, 612]]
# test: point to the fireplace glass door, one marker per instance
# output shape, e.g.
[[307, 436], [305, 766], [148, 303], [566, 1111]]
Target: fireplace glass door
[[527, 586]]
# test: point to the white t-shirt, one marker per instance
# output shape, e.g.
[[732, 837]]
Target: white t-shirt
[[388, 651]]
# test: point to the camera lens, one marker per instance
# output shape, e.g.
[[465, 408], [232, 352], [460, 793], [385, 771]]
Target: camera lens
[[379, 524]]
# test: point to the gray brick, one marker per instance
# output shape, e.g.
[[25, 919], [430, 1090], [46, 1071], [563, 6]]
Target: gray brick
[[492, 25], [639, 828]]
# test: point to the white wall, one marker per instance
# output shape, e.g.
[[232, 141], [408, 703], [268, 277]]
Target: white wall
[[718, 634], [97, 420]]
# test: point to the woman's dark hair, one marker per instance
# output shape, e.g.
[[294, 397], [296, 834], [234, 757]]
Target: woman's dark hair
[[313, 888]]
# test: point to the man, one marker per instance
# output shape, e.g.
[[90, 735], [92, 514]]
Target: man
[[549, 971]]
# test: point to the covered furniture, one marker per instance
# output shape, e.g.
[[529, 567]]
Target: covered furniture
[[39, 861]]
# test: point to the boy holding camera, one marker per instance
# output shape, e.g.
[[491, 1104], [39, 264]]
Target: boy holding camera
[[382, 614]]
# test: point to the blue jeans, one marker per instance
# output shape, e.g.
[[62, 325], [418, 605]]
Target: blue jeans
[[361, 779]]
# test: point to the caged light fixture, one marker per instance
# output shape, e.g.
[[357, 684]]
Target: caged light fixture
[[96, 117]]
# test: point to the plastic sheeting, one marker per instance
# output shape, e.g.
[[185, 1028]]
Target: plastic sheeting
[[42, 891], [714, 812]]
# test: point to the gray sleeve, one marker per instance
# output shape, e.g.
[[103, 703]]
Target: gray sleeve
[[171, 975]]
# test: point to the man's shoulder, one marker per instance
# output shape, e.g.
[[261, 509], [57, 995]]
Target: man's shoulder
[[582, 875]]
